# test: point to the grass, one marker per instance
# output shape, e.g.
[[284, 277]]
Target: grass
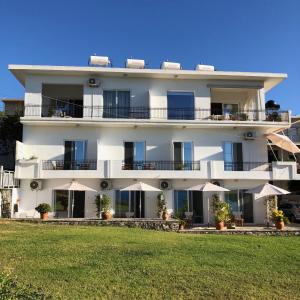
[[119, 263]]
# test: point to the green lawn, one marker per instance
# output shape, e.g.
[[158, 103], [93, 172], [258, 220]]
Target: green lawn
[[72, 262]]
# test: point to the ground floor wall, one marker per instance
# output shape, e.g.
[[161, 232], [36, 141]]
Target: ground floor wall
[[29, 199]]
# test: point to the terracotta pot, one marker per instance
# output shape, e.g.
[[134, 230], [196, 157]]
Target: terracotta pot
[[106, 215], [165, 216], [280, 225], [220, 225], [44, 216], [181, 226]]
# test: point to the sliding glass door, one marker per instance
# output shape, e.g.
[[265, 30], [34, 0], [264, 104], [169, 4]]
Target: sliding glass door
[[134, 153], [181, 106], [116, 104], [75, 154], [130, 204], [233, 156], [183, 155]]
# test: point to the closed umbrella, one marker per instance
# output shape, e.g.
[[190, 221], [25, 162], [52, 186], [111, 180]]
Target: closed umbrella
[[266, 190], [141, 187], [208, 187], [73, 186]]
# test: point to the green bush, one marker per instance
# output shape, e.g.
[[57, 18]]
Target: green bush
[[43, 208], [10, 289]]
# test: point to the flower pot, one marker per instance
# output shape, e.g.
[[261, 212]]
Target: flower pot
[[280, 225], [44, 216], [220, 225], [106, 215], [165, 216], [181, 226]]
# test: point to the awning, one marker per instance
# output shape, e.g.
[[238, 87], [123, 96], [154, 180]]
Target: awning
[[283, 142]]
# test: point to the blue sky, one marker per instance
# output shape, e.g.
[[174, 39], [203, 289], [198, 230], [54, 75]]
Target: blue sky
[[233, 35]]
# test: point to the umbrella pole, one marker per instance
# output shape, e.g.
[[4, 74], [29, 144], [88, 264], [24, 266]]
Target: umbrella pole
[[140, 204], [268, 222], [208, 212]]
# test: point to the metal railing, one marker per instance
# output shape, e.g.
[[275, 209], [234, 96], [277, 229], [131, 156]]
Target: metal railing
[[8, 180], [86, 164], [162, 165], [184, 113], [247, 166]]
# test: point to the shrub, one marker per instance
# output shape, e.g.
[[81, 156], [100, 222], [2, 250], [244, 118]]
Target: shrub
[[105, 203], [43, 208], [221, 209]]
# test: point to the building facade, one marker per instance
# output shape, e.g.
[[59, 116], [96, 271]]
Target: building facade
[[110, 127]]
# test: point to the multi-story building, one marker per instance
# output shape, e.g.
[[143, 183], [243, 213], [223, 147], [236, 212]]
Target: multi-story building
[[171, 128]]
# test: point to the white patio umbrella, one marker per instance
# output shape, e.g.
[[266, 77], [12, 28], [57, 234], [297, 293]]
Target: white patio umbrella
[[141, 187], [73, 186], [283, 142], [208, 187], [266, 190]]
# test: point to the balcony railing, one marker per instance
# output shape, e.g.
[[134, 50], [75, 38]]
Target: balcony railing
[[73, 111], [162, 165], [87, 164], [247, 166]]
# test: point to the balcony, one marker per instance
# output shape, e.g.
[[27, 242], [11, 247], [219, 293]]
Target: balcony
[[87, 164], [162, 165], [247, 166], [154, 114]]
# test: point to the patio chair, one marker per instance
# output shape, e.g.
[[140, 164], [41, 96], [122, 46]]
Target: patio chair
[[238, 218]]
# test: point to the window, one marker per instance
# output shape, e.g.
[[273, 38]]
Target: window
[[134, 154], [181, 106], [130, 204], [75, 154], [116, 104], [233, 156], [61, 204], [240, 201], [181, 201], [183, 155], [230, 109]]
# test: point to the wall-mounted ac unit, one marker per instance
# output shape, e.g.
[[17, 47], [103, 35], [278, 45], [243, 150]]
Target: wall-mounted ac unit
[[105, 185], [165, 185], [167, 65], [36, 185], [249, 135], [93, 82], [135, 63]]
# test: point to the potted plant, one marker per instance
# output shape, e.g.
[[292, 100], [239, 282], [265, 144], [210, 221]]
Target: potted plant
[[279, 219], [105, 203], [43, 209], [221, 211], [162, 206], [182, 224]]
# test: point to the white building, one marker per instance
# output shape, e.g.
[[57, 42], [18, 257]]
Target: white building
[[122, 125]]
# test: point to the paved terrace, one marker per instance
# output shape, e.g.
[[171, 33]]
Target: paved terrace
[[170, 225]]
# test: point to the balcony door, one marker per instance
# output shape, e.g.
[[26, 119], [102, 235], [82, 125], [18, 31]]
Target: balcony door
[[75, 154], [130, 204], [233, 156], [134, 153], [181, 106], [183, 155], [116, 104]]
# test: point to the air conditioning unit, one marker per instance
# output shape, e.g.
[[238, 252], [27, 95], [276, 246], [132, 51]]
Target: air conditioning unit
[[165, 185], [167, 65], [36, 185], [135, 63], [249, 135], [105, 185], [93, 82], [204, 68]]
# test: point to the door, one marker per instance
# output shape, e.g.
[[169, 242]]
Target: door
[[197, 202], [216, 108], [134, 155], [116, 104], [139, 203], [183, 155], [78, 204], [233, 156], [247, 206], [75, 154]]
